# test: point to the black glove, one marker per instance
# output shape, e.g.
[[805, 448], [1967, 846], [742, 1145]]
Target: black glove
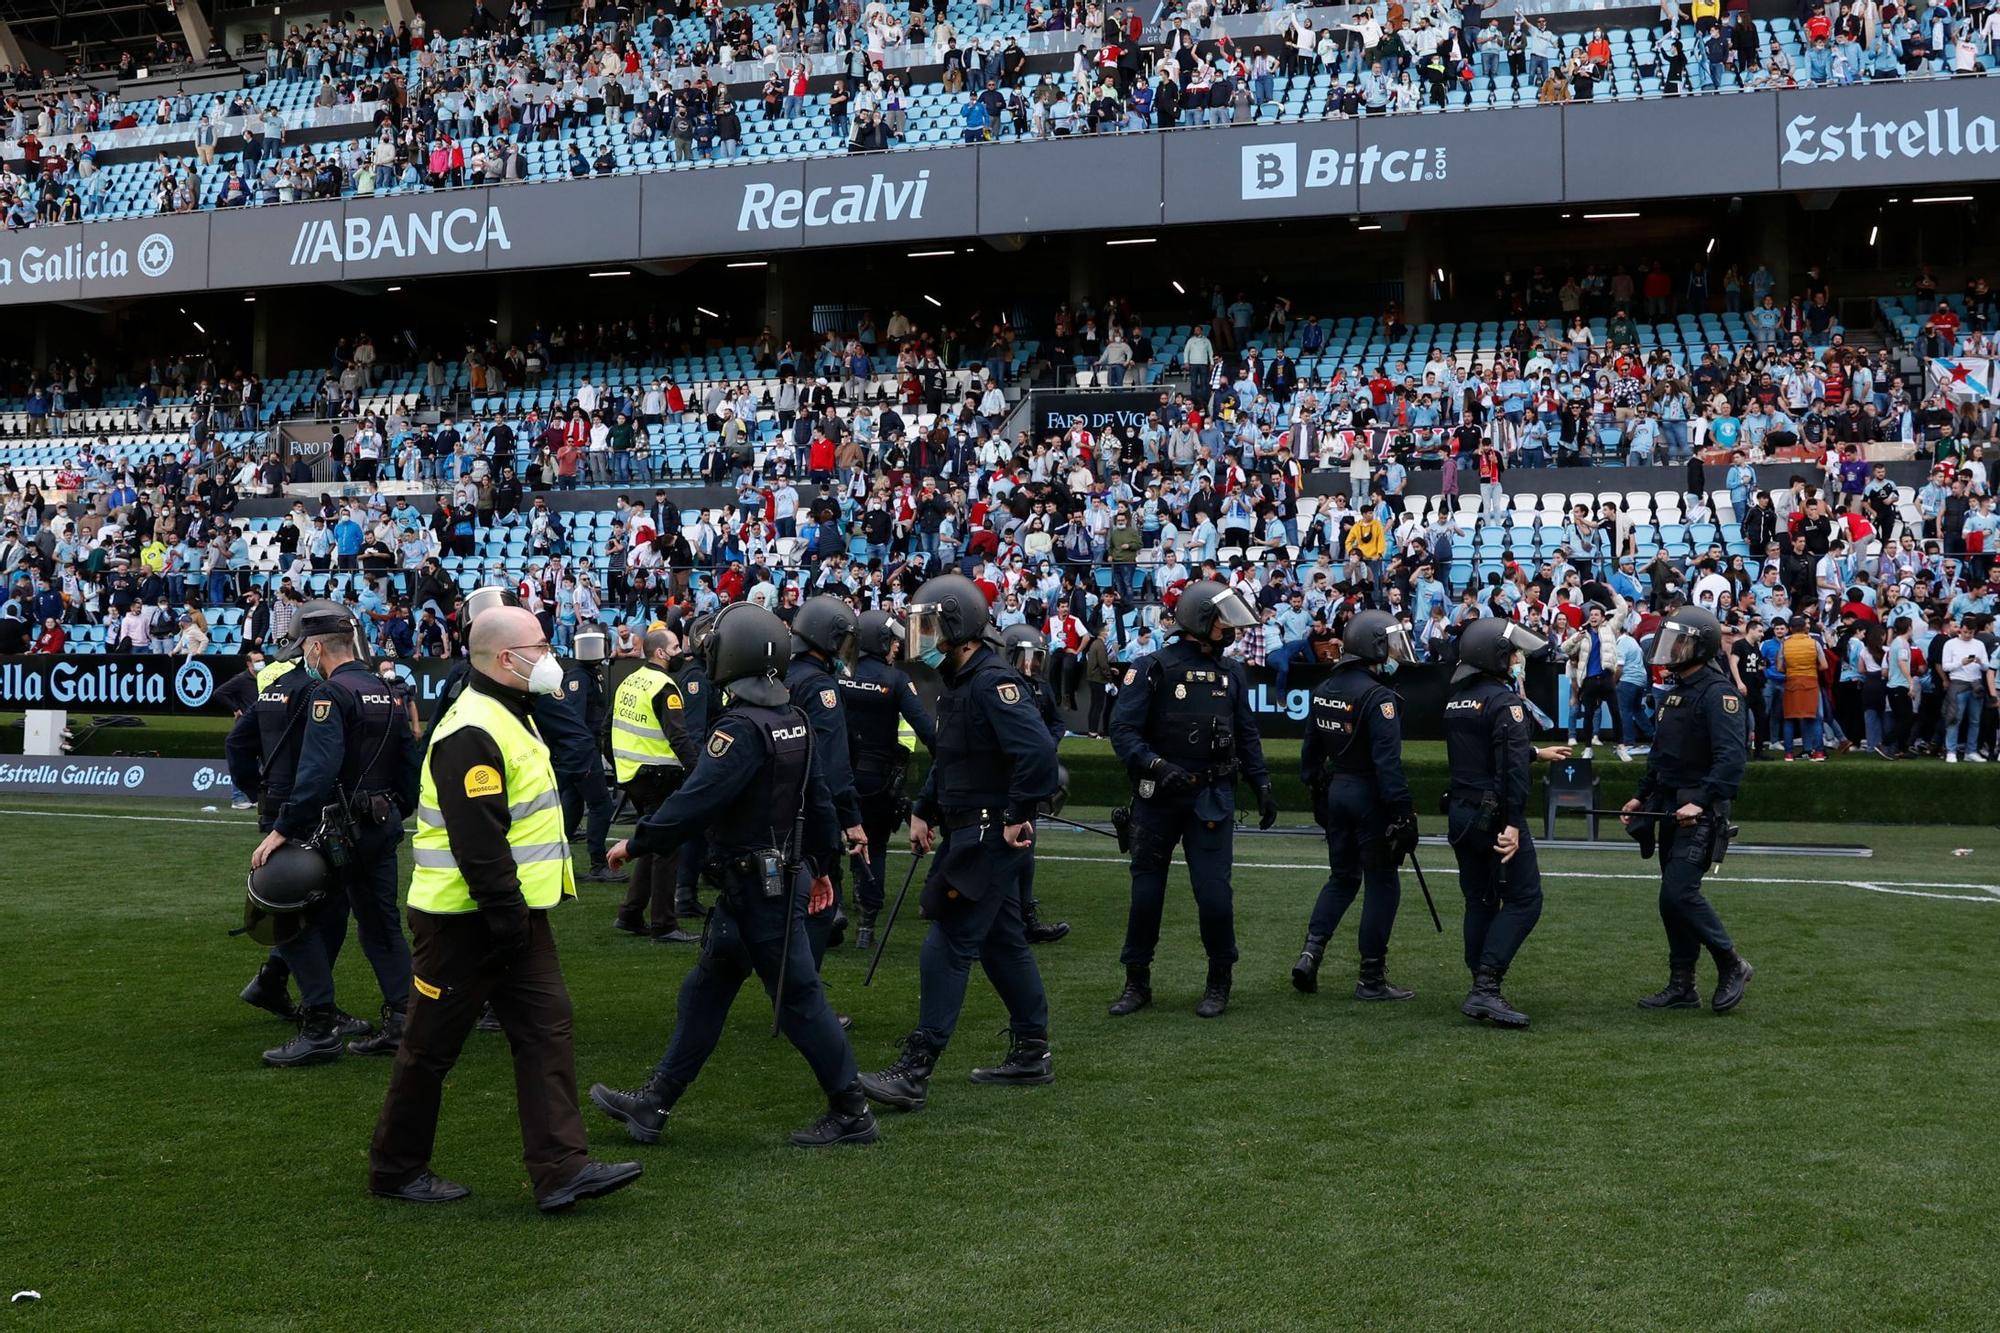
[[507, 928], [1267, 807], [1171, 779], [1401, 835]]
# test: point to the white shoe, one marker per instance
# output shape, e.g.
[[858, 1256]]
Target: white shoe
[[242, 803], [1951, 756], [1624, 754], [1974, 757], [1586, 753]]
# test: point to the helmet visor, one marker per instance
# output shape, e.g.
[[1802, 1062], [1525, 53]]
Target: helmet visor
[[1522, 640], [1401, 648], [926, 631], [1233, 611], [1027, 659], [1676, 646], [268, 927]]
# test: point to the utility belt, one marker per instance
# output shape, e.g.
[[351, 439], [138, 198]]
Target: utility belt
[[747, 876], [341, 823], [1485, 803], [1214, 775], [962, 816]]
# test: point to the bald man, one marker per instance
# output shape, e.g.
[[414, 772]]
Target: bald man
[[491, 862], [652, 754]]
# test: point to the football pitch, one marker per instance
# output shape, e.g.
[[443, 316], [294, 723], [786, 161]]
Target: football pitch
[[1824, 1158]]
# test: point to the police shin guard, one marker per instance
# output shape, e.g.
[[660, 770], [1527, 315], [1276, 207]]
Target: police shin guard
[[1680, 992], [1305, 972], [318, 1041], [1028, 1062], [1039, 931], [847, 1120], [1374, 984], [643, 1110], [268, 991], [1138, 992], [1215, 999], [864, 931], [385, 1039], [1733, 973], [1485, 1002], [904, 1085]]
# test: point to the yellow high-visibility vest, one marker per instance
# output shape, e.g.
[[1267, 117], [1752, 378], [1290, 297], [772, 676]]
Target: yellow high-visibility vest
[[637, 738], [541, 852]]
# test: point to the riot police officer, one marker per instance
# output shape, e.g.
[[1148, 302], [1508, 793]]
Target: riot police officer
[[263, 754], [995, 763], [823, 633], [1183, 729], [356, 782], [1692, 776], [1352, 762], [772, 836], [651, 753], [690, 672], [587, 803], [1028, 653], [1487, 746], [880, 701]]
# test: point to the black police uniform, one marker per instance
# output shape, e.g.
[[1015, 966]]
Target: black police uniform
[[263, 754], [994, 763], [357, 746], [1352, 761], [1191, 709], [760, 773], [1488, 748], [877, 697], [698, 694], [579, 762], [1699, 752], [1045, 707], [816, 692]]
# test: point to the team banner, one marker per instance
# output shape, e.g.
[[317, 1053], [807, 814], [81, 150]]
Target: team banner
[[1966, 378], [1905, 133]]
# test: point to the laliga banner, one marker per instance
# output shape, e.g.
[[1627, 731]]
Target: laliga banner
[[65, 776]]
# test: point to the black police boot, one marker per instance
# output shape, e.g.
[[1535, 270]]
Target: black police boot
[[1305, 972], [644, 1110], [864, 931], [1485, 1002], [1733, 973], [906, 1084], [1138, 992], [386, 1039], [836, 932], [268, 991], [1215, 1000], [1372, 984], [348, 1026], [1038, 930], [1680, 992], [317, 1042], [1028, 1062], [847, 1120]]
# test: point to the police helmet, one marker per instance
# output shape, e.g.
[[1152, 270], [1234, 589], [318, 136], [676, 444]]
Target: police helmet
[[876, 633], [1487, 646], [277, 893], [1688, 637], [485, 599], [698, 632], [590, 646], [1025, 648], [746, 649], [317, 611], [824, 624], [1204, 602], [947, 610], [1375, 637]]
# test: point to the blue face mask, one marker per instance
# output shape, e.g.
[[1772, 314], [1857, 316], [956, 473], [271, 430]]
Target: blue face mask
[[312, 672], [932, 658], [1389, 666]]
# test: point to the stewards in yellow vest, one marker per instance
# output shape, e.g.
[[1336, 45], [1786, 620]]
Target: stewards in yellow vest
[[651, 752], [491, 861]]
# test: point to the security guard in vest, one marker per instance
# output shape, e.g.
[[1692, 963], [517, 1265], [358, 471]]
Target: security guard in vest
[[1487, 746], [1028, 653], [772, 836], [356, 781], [882, 705], [491, 861], [263, 754], [995, 763], [652, 753], [1182, 727], [1692, 776], [822, 634], [1352, 762], [698, 694], [587, 802]]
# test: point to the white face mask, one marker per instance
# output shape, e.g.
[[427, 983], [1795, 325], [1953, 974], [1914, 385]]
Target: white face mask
[[544, 677]]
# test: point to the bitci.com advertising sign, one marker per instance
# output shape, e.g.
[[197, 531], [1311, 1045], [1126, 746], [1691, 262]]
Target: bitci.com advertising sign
[[1914, 132]]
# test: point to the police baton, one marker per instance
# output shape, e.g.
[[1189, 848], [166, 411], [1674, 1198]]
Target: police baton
[[890, 925], [1081, 828], [792, 914], [1428, 900]]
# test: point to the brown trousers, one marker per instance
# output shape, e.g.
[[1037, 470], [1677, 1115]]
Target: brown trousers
[[532, 1004], [654, 878]]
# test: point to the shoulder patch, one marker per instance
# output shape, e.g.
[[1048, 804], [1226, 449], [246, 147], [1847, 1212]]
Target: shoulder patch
[[1009, 692], [1389, 711], [1131, 674], [322, 709], [829, 698], [719, 743], [482, 780], [674, 703], [1730, 703], [1520, 713], [694, 687]]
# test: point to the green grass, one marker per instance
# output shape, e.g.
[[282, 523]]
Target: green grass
[[1821, 1159]]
